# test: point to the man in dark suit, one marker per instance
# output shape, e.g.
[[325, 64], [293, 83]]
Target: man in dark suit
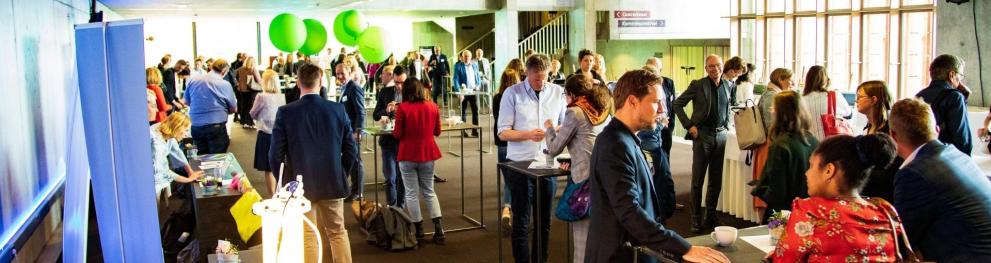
[[710, 97], [313, 137], [439, 70], [353, 98], [386, 102], [947, 95], [624, 203], [942, 196]]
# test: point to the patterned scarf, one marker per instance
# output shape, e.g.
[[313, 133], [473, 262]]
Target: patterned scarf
[[595, 116]]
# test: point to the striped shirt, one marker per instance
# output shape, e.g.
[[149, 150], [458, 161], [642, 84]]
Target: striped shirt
[[816, 103]]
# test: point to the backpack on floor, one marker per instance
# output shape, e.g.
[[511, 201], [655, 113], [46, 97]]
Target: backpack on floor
[[389, 228]]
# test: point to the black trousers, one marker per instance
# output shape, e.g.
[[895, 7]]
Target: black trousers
[[707, 155], [245, 101], [470, 103], [438, 89], [211, 138]]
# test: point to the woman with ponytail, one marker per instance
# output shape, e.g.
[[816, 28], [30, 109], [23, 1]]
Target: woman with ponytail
[[835, 223]]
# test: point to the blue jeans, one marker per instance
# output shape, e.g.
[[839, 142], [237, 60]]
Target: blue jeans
[[663, 183], [357, 173], [524, 189], [394, 190], [419, 178], [506, 196], [211, 138]]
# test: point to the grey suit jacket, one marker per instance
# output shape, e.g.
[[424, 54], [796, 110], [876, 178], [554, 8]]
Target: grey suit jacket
[[700, 93]]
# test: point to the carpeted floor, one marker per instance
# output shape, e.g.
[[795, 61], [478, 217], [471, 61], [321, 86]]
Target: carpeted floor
[[474, 245]]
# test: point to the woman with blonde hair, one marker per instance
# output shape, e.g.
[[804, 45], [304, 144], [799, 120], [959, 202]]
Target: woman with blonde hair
[[247, 78], [165, 138], [153, 79], [780, 80], [263, 111]]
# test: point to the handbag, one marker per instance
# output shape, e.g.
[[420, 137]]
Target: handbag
[[832, 125], [254, 85], [750, 132], [899, 230], [574, 203]]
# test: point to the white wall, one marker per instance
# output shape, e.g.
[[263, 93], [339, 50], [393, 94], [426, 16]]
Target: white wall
[[225, 35]]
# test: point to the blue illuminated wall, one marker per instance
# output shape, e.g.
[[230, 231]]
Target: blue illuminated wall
[[41, 136]]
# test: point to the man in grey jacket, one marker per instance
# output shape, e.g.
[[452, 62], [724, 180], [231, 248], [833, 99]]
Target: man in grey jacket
[[710, 97]]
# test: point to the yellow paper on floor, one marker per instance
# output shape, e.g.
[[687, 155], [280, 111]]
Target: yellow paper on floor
[[247, 222]]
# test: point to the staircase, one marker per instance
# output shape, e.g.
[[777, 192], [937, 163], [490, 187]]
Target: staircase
[[550, 38]]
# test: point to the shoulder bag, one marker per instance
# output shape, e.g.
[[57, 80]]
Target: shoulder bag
[[831, 124]]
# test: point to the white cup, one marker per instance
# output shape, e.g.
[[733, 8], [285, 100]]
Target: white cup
[[724, 235]]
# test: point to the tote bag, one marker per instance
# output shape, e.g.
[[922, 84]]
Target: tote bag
[[749, 122], [832, 125]]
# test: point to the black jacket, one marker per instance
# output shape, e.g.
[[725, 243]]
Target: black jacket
[[313, 137], [624, 202], [700, 93], [353, 98], [950, 109]]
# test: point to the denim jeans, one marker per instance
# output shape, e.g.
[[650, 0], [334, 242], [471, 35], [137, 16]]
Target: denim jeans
[[357, 173], [394, 190], [211, 138], [524, 189], [419, 181], [506, 196]]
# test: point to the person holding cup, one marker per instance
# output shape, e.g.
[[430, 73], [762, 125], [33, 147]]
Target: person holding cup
[[835, 222]]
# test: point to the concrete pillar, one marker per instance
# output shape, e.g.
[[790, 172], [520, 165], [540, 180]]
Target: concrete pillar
[[955, 35], [506, 36], [582, 36]]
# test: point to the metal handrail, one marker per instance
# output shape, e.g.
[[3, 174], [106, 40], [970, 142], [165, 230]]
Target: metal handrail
[[559, 16], [549, 38], [479, 39]]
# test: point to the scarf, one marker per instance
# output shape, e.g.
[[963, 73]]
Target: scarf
[[595, 116]]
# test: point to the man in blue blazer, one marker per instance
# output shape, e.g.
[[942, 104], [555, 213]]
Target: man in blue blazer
[[353, 99], [948, 102], [942, 196], [624, 203], [466, 76], [312, 136]]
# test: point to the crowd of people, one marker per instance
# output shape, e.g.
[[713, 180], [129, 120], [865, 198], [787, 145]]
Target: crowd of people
[[908, 173]]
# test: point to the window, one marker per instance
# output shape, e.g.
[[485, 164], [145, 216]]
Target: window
[[747, 6], [875, 47], [839, 4], [776, 43], [838, 63], [917, 48], [807, 45], [856, 40]]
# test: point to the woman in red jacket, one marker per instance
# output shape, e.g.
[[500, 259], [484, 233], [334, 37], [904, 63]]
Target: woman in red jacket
[[417, 123], [153, 78]]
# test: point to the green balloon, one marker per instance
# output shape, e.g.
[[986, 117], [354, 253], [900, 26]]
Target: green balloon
[[342, 35], [354, 22], [287, 32], [316, 37], [373, 45]]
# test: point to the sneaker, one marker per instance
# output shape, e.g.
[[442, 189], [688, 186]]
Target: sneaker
[[507, 220]]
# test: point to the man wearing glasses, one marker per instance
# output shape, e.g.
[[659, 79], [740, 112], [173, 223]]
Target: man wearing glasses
[[947, 95], [710, 97]]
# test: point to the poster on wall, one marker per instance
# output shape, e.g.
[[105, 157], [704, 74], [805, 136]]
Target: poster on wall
[[669, 19]]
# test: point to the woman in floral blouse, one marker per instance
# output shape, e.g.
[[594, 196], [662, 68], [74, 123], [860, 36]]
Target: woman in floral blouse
[[836, 224]]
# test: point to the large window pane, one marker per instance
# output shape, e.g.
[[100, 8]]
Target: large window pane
[[839, 4], [916, 2], [875, 47], [838, 61], [917, 52], [747, 6], [776, 54], [775, 6], [877, 3], [807, 45], [805, 5], [747, 33]]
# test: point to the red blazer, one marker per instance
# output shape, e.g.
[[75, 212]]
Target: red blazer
[[163, 107], [416, 125]]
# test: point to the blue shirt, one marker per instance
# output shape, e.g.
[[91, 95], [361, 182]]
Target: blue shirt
[[519, 111], [210, 98]]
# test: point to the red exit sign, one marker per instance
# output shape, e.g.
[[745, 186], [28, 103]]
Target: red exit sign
[[632, 14]]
